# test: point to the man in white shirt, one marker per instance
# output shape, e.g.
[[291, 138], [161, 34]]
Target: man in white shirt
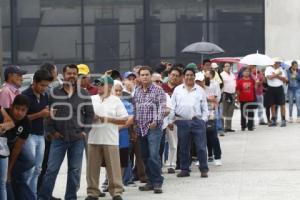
[[190, 113], [276, 77], [103, 140], [228, 97]]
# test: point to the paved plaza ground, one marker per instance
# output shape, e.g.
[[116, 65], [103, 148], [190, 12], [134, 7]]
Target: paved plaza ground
[[259, 165]]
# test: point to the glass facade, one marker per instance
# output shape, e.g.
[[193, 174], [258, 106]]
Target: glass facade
[[123, 33]]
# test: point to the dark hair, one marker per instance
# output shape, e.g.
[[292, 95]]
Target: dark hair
[[48, 66], [42, 75], [179, 65], [146, 68], [115, 74], [160, 68], [189, 69], [174, 68], [294, 62], [21, 100], [71, 66], [212, 72], [206, 61]]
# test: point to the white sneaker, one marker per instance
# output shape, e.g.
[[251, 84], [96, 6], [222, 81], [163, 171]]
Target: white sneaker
[[291, 120], [218, 162], [197, 163]]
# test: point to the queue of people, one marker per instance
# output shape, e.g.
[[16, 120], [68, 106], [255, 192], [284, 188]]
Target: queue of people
[[133, 125]]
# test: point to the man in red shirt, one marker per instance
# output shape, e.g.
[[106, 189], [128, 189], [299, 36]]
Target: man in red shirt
[[84, 79], [246, 96], [174, 79]]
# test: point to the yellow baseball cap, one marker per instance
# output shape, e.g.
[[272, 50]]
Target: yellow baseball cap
[[83, 69]]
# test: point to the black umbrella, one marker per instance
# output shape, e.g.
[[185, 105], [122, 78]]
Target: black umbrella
[[206, 48]]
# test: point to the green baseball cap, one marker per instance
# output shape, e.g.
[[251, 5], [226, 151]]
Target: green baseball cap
[[192, 66], [104, 80]]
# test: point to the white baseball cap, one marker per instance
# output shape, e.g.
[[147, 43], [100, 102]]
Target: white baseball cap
[[199, 76], [277, 59], [214, 65]]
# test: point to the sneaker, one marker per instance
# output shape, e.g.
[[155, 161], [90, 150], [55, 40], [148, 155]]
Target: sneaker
[[197, 163], [118, 197], [102, 194], [283, 123], [146, 187], [218, 162], [54, 198], [183, 174], [290, 120], [243, 129], [204, 174], [157, 190], [222, 134], [210, 159], [171, 171], [272, 124], [90, 198], [263, 123], [229, 130], [298, 120]]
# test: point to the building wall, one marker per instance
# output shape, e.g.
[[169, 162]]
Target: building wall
[[282, 28]]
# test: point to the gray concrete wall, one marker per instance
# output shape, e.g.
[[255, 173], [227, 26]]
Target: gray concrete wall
[[282, 28]]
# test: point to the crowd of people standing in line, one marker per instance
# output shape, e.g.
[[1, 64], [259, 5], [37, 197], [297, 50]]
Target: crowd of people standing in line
[[132, 124]]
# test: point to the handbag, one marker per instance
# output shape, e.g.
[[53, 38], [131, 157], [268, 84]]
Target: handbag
[[4, 149]]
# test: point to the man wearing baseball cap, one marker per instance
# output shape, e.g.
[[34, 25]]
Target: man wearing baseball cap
[[103, 140], [84, 79], [10, 89]]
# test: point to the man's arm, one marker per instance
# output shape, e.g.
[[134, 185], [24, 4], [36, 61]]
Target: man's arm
[[204, 107], [43, 113], [7, 122], [14, 156], [88, 116], [5, 100], [162, 101]]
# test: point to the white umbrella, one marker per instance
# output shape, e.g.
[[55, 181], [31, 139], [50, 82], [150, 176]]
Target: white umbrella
[[257, 59]]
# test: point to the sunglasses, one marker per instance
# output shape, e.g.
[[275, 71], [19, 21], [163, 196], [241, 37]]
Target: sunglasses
[[98, 83], [158, 81]]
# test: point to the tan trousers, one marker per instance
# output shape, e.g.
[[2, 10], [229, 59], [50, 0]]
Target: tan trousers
[[96, 155]]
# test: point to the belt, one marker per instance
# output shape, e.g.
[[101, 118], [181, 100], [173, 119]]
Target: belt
[[182, 118]]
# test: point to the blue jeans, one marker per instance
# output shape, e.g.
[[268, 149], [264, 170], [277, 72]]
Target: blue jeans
[[188, 131], [3, 177], [58, 149], [35, 144], [150, 145], [294, 94], [219, 119], [18, 187]]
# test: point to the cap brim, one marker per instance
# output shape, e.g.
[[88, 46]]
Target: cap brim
[[21, 72]]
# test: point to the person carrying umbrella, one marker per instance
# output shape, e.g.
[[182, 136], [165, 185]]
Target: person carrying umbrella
[[276, 78]]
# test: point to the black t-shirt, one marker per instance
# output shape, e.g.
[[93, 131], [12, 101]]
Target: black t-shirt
[[21, 130]]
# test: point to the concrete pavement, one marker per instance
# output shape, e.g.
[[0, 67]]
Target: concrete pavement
[[259, 165]]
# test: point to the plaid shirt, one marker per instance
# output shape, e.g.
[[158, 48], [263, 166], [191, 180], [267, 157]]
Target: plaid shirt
[[149, 107]]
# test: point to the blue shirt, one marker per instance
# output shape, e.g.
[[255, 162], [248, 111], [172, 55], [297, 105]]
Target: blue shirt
[[36, 105], [124, 132]]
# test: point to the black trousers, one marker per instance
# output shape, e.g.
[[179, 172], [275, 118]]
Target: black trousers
[[213, 144], [247, 115]]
